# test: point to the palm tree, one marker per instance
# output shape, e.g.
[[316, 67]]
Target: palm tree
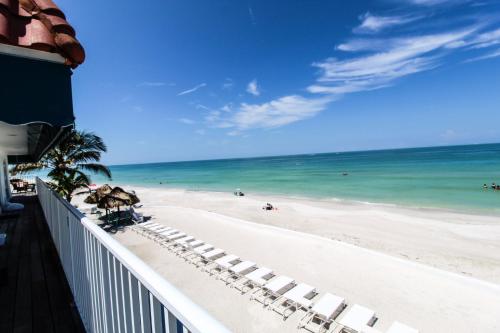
[[67, 163]]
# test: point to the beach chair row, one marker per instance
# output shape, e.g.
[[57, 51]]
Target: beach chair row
[[278, 293]]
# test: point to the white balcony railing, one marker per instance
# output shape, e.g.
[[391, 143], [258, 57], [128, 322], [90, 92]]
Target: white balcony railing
[[113, 289]]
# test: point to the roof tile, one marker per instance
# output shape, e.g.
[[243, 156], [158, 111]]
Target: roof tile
[[40, 25]]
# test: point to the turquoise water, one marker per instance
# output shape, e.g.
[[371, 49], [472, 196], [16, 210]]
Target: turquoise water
[[440, 177]]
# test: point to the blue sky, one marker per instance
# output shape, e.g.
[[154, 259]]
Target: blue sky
[[187, 80]]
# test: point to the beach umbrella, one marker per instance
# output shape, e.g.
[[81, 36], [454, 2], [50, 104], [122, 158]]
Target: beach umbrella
[[129, 198], [117, 198], [103, 190], [99, 193], [111, 202], [92, 199]]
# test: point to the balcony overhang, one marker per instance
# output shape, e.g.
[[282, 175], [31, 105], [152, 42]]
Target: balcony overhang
[[36, 108]]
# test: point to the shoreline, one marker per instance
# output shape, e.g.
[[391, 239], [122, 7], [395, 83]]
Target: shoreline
[[340, 201]]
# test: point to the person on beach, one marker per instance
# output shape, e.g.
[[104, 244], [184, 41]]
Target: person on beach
[[268, 206]]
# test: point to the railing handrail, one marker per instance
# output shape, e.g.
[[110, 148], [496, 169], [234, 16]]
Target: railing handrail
[[192, 316]]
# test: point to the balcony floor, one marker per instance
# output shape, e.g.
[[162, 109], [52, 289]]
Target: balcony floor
[[34, 293]]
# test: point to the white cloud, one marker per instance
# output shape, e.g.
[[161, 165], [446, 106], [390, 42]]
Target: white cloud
[[203, 107], [278, 112], [192, 90], [364, 64], [491, 55], [253, 88], [200, 132], [402, 57], [213, 116], [228, 84], [364, 44], [233, 133], [372, 23], [227, 108], [437, 2], [486, 39], [151, 84], [187, 121], [448, 134], [252, 16]]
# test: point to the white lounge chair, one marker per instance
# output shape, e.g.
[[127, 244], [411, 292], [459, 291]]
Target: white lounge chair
[[166, 239], [210, 256], [181, 241], [398, 327], [153, 227], [189, 246], [150, 231], [255, 280], [238, 271], [192, 256], [143, 230], [322, 313], [143, 227], [175, 236], [160, 234], [273, 290], [222, 264], [299, 297], [357, 319]]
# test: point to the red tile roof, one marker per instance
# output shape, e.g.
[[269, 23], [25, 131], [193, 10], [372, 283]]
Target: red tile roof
[[39, 25]]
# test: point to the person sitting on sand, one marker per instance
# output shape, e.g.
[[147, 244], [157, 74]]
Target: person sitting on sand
[[268, 206]]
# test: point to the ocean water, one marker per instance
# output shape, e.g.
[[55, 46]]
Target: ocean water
[[439, 177]]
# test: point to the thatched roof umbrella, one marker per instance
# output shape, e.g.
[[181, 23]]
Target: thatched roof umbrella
[[117, 198], [96, 196], [104, 189], [110, 202], [129, 198]]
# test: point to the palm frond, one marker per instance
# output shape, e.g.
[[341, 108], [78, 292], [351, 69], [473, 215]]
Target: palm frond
[[85, 156], [95, 168], [24, 168], [69, 161]]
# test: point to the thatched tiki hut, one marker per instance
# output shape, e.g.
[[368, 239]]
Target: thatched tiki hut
[[96, 196], [117, 198], [129, 198]]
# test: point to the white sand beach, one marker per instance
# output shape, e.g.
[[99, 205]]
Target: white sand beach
[[434, 270]]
